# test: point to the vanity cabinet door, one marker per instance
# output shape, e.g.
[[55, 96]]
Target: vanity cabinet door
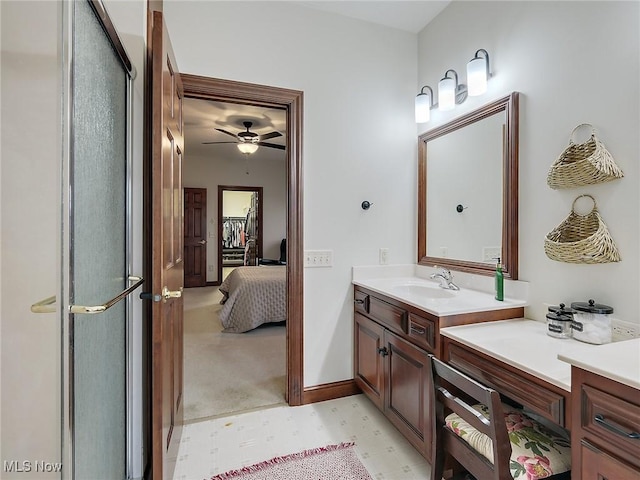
[[369, 359], [597, 465], [407, 391]]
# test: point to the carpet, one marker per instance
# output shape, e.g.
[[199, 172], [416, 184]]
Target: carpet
[[333, 462], [228, 372]]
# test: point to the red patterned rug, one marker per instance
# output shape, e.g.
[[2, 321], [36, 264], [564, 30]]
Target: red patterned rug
[[333, 462]]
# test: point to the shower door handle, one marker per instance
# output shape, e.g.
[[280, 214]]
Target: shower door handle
[[48, 305]]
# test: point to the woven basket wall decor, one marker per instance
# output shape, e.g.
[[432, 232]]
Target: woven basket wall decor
[[582, 164], [581, 239]]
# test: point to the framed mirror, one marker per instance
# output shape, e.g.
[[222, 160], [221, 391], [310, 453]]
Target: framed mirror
[[468, 191]]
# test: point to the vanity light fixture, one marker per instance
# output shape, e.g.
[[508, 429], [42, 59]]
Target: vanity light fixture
[[450, 91], [424, 104], [478, 73], [247, 147]]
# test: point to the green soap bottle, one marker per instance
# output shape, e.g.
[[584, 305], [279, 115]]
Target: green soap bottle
[[499, 281]]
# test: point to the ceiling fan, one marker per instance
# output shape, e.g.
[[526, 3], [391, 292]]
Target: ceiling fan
[[249, 141]]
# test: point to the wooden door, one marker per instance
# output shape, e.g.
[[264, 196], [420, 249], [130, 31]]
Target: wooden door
[[369, 365], [167, 257], [407, 391], [195, 237]]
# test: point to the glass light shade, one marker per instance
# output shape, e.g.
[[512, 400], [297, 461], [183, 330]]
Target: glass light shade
[[423, 107], [477, 76], [247, 147], [446, 94]]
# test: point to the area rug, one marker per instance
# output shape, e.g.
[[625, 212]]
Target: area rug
[[333, 462]]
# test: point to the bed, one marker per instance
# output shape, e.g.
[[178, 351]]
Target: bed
[[252, 296]]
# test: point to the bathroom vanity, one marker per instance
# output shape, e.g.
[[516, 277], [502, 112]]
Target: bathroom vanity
[[397, 324], [591, 390]]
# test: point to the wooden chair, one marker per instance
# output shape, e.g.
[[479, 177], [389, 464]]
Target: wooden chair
[[470, 427]]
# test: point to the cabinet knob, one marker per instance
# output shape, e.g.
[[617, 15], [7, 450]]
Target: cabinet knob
[[383, 351], [359, 301]]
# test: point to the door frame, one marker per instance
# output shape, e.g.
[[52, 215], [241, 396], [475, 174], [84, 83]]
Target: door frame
[[291, 101], [259, 243]]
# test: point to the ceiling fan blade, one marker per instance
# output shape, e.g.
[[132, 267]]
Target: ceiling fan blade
[[272, 145], [215, 143], [267, 136], [228, 133]]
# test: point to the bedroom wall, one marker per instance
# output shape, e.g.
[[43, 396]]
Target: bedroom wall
[[548, 51], [270, 174], [359, 81]]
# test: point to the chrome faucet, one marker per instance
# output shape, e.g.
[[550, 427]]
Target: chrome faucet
[[446, 279]]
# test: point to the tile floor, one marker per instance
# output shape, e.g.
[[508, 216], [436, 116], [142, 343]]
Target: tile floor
[[218, 445]]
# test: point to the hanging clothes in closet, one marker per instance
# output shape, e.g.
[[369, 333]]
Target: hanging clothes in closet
[[233, 235]]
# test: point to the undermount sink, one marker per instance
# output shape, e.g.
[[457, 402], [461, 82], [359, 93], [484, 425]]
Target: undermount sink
[[423, 291]]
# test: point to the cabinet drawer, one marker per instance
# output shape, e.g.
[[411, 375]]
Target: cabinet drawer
[[523, 389], [392, 316], [611, 419], [423, 331], [361, 302]]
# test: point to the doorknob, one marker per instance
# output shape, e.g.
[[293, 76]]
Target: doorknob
[[167, 294], [202, 242]]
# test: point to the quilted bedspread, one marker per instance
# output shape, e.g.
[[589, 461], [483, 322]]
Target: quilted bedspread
[[253, 296]]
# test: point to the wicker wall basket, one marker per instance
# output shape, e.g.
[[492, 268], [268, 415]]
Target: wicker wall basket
[[582, 164], [581, 239]]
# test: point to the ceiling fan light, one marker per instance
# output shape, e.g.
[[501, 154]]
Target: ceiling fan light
[[247, 148]]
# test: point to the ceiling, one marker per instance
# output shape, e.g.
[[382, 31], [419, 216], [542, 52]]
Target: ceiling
[[202, 117], [411, 16]]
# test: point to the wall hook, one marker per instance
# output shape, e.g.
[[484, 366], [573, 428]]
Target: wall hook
[[460, 208], [366, 205]]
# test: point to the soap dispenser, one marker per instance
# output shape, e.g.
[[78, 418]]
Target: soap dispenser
[[499, 281]]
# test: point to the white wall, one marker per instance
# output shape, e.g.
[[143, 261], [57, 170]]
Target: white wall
[[359, 81], [30, 156], [30, 200], [208, 172], [573, 62]]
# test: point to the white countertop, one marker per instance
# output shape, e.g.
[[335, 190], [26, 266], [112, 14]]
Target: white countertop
[[525, 345], [619, 361], [390, 280]]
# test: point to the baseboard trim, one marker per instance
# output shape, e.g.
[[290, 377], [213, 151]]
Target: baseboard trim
[[213, 284], [329, 391]]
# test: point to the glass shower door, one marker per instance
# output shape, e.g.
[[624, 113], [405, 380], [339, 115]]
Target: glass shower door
[[96, 245]]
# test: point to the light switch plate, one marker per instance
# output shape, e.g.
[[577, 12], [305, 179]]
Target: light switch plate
[[318, 258]]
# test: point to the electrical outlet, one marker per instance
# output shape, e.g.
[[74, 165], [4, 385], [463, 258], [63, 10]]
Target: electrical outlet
[[384, 256], [211, 268], [318, 258], [622, 330]]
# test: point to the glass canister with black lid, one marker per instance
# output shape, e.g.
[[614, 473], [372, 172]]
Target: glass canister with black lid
[[592, 322], [559, 320]]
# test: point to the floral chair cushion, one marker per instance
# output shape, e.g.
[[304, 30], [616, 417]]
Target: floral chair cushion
[[536, 451]]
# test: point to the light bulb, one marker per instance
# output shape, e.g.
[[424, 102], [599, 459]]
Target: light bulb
[[423, 107], [477, 76], [446, 94]]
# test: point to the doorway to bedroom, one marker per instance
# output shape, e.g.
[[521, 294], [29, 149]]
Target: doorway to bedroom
[[230, 372]]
